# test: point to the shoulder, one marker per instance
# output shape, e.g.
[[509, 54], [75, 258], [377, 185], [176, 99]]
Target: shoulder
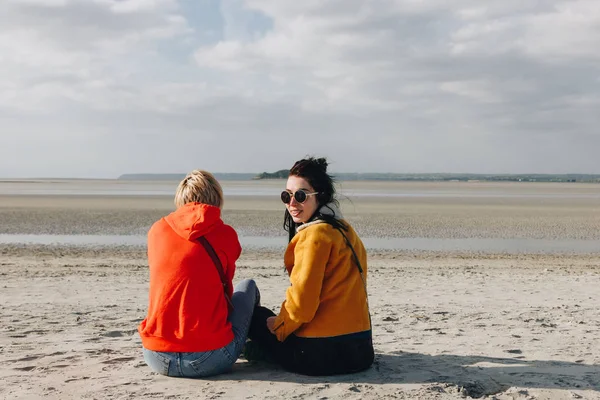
[[323, 228], [225, 235], [158, 227], [225, 239], [317, 231], [228, 231]]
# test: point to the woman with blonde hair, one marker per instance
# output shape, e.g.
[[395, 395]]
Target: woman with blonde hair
[[197, 323]]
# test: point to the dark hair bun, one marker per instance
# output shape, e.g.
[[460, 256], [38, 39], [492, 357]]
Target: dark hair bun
[[322, 162], [310, 166]]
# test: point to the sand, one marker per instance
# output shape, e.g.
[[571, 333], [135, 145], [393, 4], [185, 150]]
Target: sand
[[447, 325]]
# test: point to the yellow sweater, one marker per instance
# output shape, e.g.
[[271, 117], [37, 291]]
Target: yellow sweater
[[327, 296]]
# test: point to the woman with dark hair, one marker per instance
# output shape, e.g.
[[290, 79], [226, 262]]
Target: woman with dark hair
[[324, 326]]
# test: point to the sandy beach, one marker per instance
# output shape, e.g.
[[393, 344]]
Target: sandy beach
[[447, 324]]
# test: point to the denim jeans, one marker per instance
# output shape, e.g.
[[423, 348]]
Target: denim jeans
[[208, 363]]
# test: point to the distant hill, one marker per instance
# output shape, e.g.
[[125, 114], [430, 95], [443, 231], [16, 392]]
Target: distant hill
[[440, 177], [281, 174], [177, 177], [468, 177]]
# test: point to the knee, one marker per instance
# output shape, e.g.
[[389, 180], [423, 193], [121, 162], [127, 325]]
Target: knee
[[249, 288], [253, 287], [246, 285]]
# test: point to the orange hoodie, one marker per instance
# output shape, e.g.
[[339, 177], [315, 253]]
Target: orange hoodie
[[187, 310]]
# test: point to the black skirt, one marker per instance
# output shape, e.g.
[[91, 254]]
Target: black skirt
[[344, 354]]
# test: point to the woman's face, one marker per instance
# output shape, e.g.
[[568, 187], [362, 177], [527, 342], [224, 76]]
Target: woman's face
[[300, 212]]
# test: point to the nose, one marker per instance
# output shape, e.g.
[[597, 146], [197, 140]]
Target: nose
[[293, 201]]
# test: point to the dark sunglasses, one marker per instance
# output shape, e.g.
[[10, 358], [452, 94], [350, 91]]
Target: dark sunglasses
[[300, 196]]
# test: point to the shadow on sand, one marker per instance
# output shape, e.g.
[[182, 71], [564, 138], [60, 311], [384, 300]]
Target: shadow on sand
[[476, 376]]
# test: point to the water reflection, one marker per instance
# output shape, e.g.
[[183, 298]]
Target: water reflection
[[273, 188]]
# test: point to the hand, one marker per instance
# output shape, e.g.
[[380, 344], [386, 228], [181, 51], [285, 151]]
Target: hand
[[271, 324]]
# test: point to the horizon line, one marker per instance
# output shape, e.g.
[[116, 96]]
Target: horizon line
[[334, 173]]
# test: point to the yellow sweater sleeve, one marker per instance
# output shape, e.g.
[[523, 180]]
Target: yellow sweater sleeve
[[302, 299]]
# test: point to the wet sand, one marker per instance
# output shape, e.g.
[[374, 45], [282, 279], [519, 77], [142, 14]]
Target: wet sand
[[419, 210], [447, 325]]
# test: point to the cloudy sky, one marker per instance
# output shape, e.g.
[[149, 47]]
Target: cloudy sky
[[97, 88]]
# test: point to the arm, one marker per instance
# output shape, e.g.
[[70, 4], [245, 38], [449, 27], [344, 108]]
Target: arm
[[311, 255]]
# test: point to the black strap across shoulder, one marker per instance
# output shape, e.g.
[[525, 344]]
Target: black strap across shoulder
[[353, 252], [360, 270], [213, 255]]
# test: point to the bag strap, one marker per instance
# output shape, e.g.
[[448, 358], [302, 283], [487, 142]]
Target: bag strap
[[213, 255], [360, 270]]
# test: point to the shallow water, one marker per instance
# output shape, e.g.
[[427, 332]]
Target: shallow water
[[512, 246], [273, 188]]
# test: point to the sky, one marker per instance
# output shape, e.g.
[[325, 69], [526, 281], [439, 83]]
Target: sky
[[99, 88]]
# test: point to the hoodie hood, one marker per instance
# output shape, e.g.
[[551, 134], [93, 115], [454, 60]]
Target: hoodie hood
[[193, 220], [330, 209]]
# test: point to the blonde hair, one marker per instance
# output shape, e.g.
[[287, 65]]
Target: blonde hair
[[201, 187]]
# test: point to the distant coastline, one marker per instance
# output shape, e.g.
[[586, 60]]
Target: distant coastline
[[177, 177], [375, 176]]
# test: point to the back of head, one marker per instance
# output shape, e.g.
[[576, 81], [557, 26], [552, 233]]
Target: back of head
[[314, 170], [200, 187]]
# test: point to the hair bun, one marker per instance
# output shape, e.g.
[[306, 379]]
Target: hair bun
[[316, 165], [322, 162]]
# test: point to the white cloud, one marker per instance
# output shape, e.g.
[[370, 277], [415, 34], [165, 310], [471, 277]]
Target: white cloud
[[408, 79], [480, 91], [136, 6], [42, 3], [570, 32], [57, 56]]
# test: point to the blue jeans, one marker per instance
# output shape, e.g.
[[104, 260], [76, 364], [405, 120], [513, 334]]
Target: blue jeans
[[208, 363]]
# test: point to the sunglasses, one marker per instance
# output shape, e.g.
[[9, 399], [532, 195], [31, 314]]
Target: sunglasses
[[300, 196]]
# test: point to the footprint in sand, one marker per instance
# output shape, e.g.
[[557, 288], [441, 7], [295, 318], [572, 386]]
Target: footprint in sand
[[24, 368], [100, 352], [35, 331], [119, 333], [29, 358], [515, 351], [73, 357], [119, 360], [83, 378]]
